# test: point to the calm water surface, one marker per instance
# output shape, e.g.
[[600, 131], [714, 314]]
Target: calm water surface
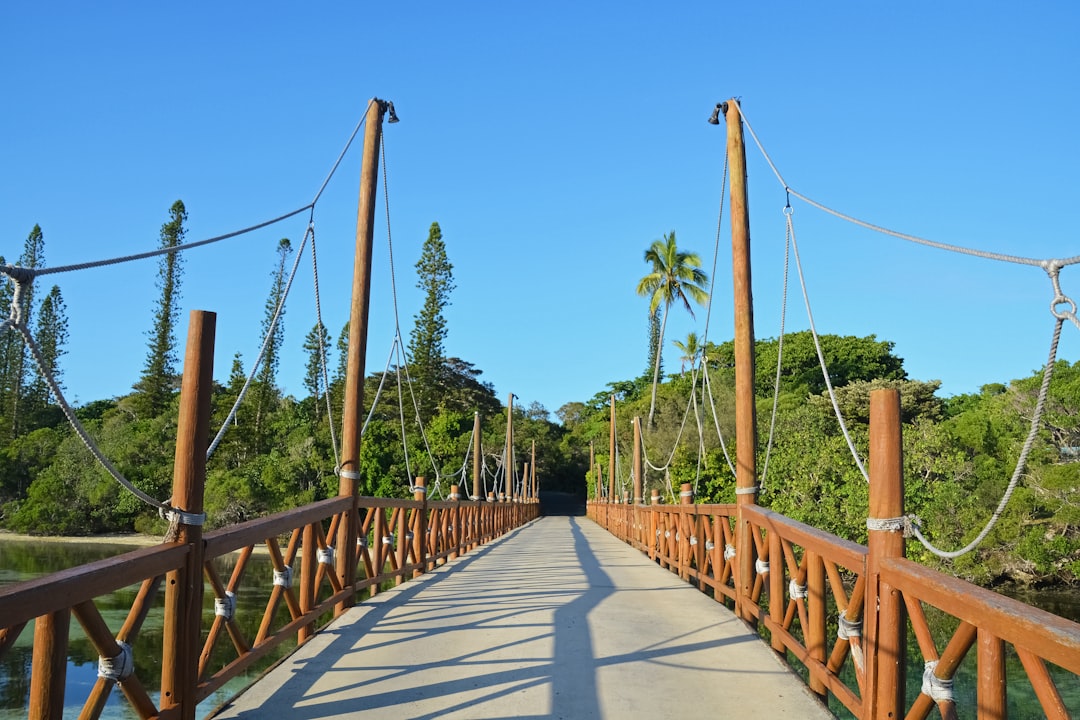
[[26, 560]]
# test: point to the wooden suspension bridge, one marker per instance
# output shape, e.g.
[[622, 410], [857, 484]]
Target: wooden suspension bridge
[[419, 608]]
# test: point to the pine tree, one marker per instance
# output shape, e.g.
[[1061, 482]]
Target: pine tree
[[654, 345], [19, 362], [435, 278], [265, 388], [316, 341], [50, 336], [155, 387]]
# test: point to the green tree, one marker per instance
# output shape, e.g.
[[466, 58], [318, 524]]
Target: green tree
[[676, 276], [691, 351], [50, 336], [158, 380], [316, 342], [435, 277], [18, 365], [273, 326], [656, 358]]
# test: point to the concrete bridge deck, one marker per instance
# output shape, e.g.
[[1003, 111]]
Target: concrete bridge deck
[[557, 619]]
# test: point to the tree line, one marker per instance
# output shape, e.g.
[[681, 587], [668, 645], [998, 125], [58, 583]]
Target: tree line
[[278, 451]]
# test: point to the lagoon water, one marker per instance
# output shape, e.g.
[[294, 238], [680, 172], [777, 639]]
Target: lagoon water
[[21, 560]]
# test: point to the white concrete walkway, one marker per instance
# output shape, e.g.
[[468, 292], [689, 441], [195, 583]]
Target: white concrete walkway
[[555, 620]]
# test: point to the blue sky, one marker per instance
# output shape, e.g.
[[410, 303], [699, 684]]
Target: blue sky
[[553, 142]]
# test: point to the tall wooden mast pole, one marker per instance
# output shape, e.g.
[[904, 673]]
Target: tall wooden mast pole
[[745, 411], [611, 455], [349, 473], [508, 470], [476, 458]]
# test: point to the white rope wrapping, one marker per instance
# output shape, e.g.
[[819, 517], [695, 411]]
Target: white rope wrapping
[[729, 552], [747, 490], [348, 474], [709, 545], [118, 668], [937, 689], [283, 578], [761, 566], [408, 536], [175, 515], [693, 539], [897, 524], [686, 493], [325, 556], [388, 540], [225, 607], [796, 591], [848, 629]]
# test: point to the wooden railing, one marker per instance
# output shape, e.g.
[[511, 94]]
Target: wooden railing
[[399, 539], [381, 541], [842, 611]]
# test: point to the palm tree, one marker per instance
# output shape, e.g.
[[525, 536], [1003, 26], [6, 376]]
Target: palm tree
[[691, 349], [675, 276]]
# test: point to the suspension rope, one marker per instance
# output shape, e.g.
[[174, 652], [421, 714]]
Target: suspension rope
[[716, 418], [1021, 463], [1002, 257], [779, 349], [320, 329], [278, 310], [821, 358]]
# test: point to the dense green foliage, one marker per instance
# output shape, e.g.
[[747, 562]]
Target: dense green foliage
[[959, 453], [277, 451]]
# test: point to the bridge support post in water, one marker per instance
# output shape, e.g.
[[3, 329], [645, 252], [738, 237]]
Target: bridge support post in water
[[885, 616], [349, 473], [184, 587], [745, 410]]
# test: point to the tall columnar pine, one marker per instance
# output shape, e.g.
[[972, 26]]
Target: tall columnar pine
[[50, 336], [675, 276], [435, 278], [274, 334], [158, 381], [655, 356], [18, 364], [316, 344]]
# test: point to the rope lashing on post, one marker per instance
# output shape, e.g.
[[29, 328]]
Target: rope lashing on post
[[225, 607], [177, 516], [796, 591], [747, 490], [709, 545], [905, 524], [388, 540], [362, 541], [761, 567], [686, 493], [729, 552], [117, 668], [937, 689], [325, 556], [347, 474], [848, 629], [283, 578], [693, 539]]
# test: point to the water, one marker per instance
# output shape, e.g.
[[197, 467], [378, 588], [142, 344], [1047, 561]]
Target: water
[[26, 560]]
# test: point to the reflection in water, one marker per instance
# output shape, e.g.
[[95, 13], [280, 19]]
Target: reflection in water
[[21, 561]]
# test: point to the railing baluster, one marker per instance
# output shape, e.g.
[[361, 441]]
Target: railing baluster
[[48, 669]]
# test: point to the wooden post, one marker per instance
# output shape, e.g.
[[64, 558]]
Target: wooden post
[[308, 564], [745, 410], [420, 526], [534, 491], [885, 616], [48, 666], [639, 480], [184, 587], [817, 609], [349, 473], [611, 454], [653, 525], [476, 459], [456, 536], [508, 468], [992, 696]]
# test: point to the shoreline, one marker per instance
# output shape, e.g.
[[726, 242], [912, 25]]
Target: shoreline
[[129, 539]]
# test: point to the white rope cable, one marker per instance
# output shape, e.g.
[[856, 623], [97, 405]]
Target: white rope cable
[[382, 383], [821, 358], [1002, 257], [779, 351], [321, 330], [1021, 463], [38, 272], [716, 419], [265, 345]]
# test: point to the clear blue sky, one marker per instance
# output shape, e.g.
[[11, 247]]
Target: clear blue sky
[[552, 142]]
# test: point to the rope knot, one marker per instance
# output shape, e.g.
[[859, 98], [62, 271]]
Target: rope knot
[[937, 689], [325, 555], [848, 628], [796, 591], [119, 667], [906, 524], [761, 567], [225, 607], [283, 578], [729, 552]]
